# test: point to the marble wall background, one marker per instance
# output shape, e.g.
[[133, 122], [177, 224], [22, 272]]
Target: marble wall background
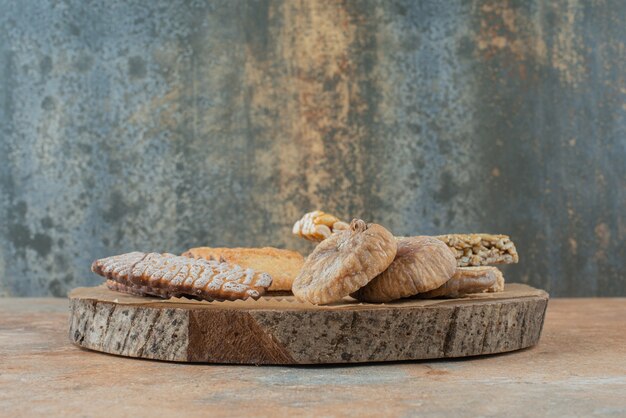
[[164, 124]]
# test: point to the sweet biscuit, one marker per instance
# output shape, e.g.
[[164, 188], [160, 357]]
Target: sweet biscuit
[[282, 265], [169, 275]]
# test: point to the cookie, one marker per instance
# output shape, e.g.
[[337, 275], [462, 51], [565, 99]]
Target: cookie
[[317, 226], [282, 265], [169, 275]]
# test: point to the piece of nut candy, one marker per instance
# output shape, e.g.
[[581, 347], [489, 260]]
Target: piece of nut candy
[[421, 264], [481, 249], [344, 262], [469, 280], [317, 226]]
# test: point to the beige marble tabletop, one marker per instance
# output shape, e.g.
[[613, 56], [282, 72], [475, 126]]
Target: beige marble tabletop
[[577, 369]]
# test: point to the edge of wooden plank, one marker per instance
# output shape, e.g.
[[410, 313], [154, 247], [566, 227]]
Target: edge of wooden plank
[[262, 333]]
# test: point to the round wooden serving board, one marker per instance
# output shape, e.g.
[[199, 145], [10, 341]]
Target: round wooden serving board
[[279, 330]]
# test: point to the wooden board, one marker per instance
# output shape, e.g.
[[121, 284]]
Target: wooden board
[[279, 330]]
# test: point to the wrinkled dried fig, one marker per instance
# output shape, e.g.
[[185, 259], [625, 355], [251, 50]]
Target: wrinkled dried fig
[[421, 264], [344, 262], [468, 280]]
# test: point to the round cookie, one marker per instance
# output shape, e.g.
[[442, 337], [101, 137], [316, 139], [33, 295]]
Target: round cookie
[[344, 262], [421, 264], [282, 265]]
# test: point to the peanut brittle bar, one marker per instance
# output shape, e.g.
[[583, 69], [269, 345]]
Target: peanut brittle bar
[[481, 249]]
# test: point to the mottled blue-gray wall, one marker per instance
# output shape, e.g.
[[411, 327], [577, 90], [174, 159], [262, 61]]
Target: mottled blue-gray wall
[[164, 124]]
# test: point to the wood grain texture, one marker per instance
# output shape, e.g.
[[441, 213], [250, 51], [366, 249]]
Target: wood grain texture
[[279, 330], [577, 369]]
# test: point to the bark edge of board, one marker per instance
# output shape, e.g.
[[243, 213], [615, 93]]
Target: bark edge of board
[[280, 331]]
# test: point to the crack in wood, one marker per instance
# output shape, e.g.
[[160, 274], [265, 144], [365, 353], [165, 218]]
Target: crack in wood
[[522, 327], [87, 319], [488, 327], [451, 332], [130, 328], [106, 324], [153, 323]]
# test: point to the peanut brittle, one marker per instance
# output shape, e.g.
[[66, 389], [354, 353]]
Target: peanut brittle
[[481, 249]]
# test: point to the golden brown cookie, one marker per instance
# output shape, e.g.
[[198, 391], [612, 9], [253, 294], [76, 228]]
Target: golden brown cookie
[[344, 262], [421, 264], [317, 226], [468, 280], [169, 275], [282, 265]]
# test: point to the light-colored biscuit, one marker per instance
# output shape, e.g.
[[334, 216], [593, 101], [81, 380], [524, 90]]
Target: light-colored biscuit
[[282, 265], [317, 226], [345, 262], [421, 264]]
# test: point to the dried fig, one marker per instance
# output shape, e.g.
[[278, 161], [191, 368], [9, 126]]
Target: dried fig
[[421, 264], [344, 262], [468, 280]]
